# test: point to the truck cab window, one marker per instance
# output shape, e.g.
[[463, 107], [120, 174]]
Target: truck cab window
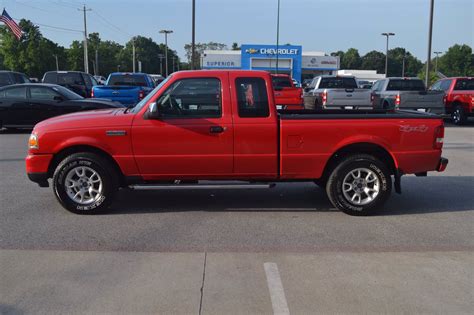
[[192, 98], [252, 97]]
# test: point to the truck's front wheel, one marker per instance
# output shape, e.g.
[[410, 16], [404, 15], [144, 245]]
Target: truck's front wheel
[[84, 183], [359, 185]]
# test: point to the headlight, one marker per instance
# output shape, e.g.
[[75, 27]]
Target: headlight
[[33, 141]]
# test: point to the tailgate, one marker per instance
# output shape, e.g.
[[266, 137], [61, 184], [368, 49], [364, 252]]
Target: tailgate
[[288, 96], [348, 97], [123, 94], [431, 100]]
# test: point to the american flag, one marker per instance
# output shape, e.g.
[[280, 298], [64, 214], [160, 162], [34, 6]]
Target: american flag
[[16, 30]]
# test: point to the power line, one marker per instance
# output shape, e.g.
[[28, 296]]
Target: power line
[[50, 26], [111, 24]]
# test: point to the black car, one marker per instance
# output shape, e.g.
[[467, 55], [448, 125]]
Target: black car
[[78, 82], [12, 77], [24, 105]]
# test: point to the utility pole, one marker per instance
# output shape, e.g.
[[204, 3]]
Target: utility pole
[[403, 64], [133, 56], [166, 32], [430, 35], [86, 58], [386, 51], [161, 63], [278, 35], [172, 69], [57, 63], [193, 42], [437, 53], [97, 62]]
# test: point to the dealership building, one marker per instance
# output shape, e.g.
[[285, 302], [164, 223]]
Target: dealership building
[[291, 60]]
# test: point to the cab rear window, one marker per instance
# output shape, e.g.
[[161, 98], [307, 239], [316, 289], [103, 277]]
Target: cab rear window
[[130, 80], [464, 85], [338, 83], [405, 85]]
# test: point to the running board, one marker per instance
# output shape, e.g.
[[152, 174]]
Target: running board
[[202, 186]]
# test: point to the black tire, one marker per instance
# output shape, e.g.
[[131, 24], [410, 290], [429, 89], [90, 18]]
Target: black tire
[[106, 174], [334, 187], [458, 115], [321, 182]]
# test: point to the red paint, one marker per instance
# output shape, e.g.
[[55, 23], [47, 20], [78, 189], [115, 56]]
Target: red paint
[[463, 98], [264, 148], [291, 97]]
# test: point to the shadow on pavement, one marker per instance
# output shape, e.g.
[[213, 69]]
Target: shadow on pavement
[[420, 195]]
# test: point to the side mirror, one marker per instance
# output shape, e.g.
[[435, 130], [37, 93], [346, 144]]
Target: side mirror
[[58, 98], [153, 112]]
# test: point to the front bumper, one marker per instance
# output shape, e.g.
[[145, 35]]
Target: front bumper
[[443, 163], [37, 166], [40, 178]]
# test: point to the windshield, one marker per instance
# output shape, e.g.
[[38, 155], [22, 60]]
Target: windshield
[[127, 79], [142, 103], [70, 95]]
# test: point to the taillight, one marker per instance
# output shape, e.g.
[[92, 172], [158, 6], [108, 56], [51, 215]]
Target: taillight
[[472, 100], [141, 94], [439, 137], [324, 97], [92, 93], [445, 98], [397, 101], [372, 99]]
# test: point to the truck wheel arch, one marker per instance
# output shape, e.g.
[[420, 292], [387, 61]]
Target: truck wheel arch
[[63, 153], [369, 148]]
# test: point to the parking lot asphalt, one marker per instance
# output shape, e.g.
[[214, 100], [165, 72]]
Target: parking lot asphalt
[[204, 251]]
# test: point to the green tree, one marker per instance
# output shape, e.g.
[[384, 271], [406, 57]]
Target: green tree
[[373, 60], [395, 63], [200, 48], [457, 61], [32, 54], [235, 46], [351, 59]]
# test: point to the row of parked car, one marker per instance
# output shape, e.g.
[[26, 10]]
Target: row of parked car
[[24, 103], [448, 96]]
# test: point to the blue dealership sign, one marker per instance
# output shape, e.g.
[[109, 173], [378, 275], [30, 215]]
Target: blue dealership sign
[[253, 52]]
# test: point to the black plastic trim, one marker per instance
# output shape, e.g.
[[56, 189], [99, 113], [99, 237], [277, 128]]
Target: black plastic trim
[[40, 178]]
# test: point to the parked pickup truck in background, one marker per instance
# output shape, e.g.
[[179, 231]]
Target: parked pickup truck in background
[[406, 93], [326, 92], [458, 97], [126, 88], [224, 126], [287, 95]]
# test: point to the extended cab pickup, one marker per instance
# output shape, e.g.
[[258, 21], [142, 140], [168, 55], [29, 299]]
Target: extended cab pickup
[[326, 92], [406, 93], [458, 98], [287, 95], [126, 88], [224, 125]]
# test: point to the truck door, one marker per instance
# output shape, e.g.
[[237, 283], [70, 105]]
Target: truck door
[[193, 138], [255, 126]]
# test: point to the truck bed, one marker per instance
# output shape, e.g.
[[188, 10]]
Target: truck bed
[[354, 114]]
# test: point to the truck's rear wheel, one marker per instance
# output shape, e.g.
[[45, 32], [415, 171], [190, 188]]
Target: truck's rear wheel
[[84, 183], [359, 185], [458, 115]]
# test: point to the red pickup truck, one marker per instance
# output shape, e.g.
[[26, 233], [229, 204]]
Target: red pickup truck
[[287, 95], [223, 125], [458, 98]]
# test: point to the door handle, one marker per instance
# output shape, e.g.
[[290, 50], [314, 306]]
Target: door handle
[[216, 129]]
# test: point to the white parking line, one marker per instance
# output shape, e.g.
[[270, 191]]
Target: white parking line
[[277, 294]]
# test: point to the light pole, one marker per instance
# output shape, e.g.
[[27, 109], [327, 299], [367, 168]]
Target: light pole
[[161, 56], [386, 51], [403, 63], [278, 35], [166, 32], [193, 42], [430, 35], [437, 53], [57, 63]]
